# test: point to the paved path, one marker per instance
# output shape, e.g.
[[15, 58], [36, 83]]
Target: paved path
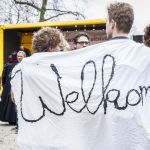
[[7, 137]]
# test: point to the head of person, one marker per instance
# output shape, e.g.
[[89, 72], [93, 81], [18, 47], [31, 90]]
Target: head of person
[[13, 57], [47, 39], [26, 50], [81, 40], [9, 58], [120, 19], [21, 55], [147, 35]]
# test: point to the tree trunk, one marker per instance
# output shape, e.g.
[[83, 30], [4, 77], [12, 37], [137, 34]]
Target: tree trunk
[[43, 10]]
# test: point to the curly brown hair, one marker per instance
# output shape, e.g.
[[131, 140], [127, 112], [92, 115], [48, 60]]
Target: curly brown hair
[[46, 38], [147, 35], [122, 13]]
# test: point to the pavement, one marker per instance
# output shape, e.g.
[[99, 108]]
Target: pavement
[[8, 137]]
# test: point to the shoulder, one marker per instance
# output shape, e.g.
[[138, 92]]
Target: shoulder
[[16, 68], [6, 65]]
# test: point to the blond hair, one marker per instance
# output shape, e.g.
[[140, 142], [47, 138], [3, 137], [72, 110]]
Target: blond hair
[[122, 13]]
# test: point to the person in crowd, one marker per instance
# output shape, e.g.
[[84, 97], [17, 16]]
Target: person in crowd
[[81, 40], [26, 50], [7, 107], [20, 56], [64, 45], [47, 40], [119, 22], [147, 35]]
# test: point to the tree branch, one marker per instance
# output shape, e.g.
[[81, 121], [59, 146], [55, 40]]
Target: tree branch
[[67, 12], [27, 3]]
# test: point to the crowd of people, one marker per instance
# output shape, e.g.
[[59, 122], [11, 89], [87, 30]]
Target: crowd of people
[[48, 39], [8, 111]]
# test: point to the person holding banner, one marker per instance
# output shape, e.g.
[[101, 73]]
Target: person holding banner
[[47, 40], [96, 98], [119, 22]]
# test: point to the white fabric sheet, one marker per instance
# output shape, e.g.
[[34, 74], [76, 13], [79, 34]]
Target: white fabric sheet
[[95, 98]]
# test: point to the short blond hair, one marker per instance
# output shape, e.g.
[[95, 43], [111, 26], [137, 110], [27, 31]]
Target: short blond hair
[[46, 38], [64, 45], [123, 14]]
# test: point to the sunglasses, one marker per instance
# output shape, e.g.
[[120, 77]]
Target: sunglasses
[[83, 42]]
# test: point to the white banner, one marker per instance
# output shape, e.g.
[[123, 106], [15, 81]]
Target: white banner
[[95, 98]]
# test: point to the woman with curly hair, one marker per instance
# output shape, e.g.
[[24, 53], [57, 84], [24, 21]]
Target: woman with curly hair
[[48, 39]]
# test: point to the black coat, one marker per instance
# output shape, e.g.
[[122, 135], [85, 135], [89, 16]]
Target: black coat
[[7, 107]]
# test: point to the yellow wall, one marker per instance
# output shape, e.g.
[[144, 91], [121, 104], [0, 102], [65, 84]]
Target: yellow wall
[[1, 56], [26, 40]]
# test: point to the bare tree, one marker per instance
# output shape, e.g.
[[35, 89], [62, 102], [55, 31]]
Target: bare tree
[[48, 9], [12, 13], [17, 11]]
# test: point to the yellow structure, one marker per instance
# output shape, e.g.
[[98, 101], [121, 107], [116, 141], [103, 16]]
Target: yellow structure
[[1, 55], [12, 36]]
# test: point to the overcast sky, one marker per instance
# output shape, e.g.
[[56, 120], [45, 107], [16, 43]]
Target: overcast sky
[[97, 9]]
